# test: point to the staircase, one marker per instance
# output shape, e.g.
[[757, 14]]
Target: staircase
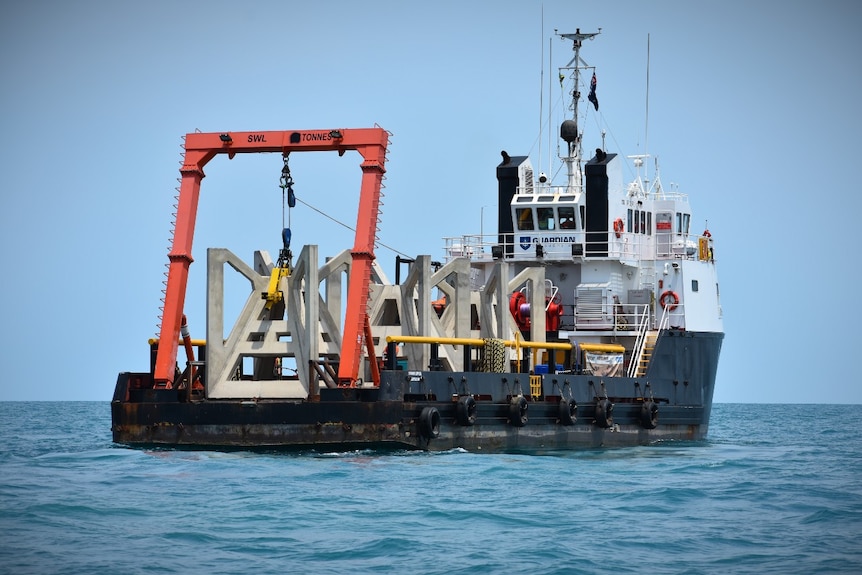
[[645, 344], [646, 353]]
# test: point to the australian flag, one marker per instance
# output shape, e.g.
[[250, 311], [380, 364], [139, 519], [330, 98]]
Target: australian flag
[[592, 97]]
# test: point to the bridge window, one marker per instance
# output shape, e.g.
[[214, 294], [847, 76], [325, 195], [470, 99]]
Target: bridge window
[[682, 223], [525, 218], [546, 218], [567, 217], [640, 221]]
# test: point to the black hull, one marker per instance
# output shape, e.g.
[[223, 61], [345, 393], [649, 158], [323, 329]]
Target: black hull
[[426, 410], [355, 432]]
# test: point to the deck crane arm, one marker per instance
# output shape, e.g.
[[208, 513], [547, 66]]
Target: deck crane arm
[[200, 148]]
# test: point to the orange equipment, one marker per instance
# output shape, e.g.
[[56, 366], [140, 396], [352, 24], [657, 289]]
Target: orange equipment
[[200, 148], [520, 309], [669, 300], [553, 313], [619, 227]]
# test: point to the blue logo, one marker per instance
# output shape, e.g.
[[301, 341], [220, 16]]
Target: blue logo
[[526, 242]]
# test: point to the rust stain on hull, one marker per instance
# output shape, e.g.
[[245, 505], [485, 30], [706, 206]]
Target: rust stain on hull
[[488, 438]]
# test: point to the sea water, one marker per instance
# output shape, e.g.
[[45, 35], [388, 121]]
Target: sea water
[[774, 489]]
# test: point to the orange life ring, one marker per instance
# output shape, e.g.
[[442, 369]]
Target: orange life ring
[[619, 226], [669, 295]]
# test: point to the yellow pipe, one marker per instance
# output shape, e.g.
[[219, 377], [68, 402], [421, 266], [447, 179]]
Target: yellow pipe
[[443, 340], [153, 340], [612, 347], [481, 342]]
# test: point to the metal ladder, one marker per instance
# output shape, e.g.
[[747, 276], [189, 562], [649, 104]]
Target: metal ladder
[[646, 338], [645, 343]]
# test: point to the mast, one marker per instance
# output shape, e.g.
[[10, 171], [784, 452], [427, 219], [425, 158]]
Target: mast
[[569, 128]]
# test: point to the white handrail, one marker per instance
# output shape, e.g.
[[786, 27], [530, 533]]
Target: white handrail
[[640, 342]]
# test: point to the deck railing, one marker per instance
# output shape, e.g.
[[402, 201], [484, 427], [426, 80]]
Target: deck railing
[[564, 244]]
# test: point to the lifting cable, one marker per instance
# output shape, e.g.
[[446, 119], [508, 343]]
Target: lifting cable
[[287, 194], [352, 229], [286, 185]]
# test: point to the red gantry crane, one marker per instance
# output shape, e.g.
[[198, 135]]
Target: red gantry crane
[[200, 148]]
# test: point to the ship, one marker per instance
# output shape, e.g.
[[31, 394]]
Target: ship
[[591, 318]]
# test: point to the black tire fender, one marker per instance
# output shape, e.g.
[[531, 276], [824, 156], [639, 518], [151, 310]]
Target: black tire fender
[[518, 411], [604, 413], [649, 414], [568, 411], [429, 422], [465, 411]]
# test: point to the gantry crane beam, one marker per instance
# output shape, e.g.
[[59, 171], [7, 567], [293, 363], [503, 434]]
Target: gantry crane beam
[[200, 148]]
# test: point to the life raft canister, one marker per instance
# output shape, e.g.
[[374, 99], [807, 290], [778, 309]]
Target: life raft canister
[[669, 300], [619, 226]]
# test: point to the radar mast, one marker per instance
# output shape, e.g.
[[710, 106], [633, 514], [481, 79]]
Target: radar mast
[[569, 130]]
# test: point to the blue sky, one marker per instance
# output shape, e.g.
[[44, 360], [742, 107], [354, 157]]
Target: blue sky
[[753, 111]]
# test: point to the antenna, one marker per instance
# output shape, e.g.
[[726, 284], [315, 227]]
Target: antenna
[[550, 105], [569, 130], [646, 127], [542, 82]]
